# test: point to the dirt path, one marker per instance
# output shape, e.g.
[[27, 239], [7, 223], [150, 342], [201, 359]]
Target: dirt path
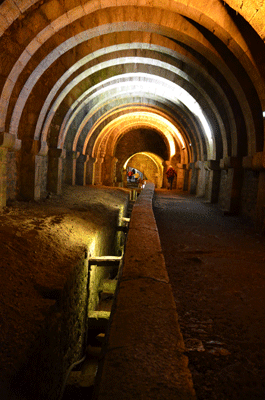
[[216, 265]]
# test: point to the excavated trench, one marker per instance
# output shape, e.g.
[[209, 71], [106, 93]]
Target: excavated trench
[[47, 271], [104, 273]]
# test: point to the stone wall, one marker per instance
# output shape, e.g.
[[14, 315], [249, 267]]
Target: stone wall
[[224, 197], [61, 338], [41, 163], [249, 193], [11, 175]]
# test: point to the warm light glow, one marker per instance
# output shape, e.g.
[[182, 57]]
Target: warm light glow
[[128, 121], [158, 162], [81, 62], [133, 85], [154, 157], [162, 88]]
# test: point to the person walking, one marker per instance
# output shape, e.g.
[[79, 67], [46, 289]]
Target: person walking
[[170, 173]]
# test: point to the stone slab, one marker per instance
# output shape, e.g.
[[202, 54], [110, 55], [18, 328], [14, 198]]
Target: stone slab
[[146, 372], [143, 256], [143, 357], [145, 309]]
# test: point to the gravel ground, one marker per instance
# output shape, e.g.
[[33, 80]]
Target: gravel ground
[[216, 266]]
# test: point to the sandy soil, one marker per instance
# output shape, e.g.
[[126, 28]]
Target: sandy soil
[[216, 266], [40, 242]]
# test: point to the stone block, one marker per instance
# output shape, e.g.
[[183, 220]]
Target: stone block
[[212, 164], [144, 257], [257, 161], [231, 162], [3, 24], [145, 372], [98, 320], [181, 166], [143, 221], [199, 164], [190, 165], [52, 9], [75, 13], [24, 5], [249, 193], [8, 12], [7, 140], [91, 6], [57, 153], [247, 162]]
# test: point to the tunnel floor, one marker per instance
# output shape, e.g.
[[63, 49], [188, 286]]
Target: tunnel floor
[[216, 266]]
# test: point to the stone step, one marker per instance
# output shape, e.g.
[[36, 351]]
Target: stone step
[[98, 320], [85, 377], [105, 261], [108, 286]]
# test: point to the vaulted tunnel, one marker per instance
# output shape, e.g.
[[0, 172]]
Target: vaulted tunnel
[[92, 88], [80, 79]]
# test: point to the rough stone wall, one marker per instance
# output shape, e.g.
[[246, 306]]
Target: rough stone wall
[[11, 175], [41, 176], [249, 193], [192, 178], [212, 185], [179, 182], [141, 140], [89, 171], [61, 340], [224, 196], [208, 184]]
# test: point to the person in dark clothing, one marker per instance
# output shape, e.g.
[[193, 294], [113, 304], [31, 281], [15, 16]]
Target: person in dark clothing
[[170, 173]]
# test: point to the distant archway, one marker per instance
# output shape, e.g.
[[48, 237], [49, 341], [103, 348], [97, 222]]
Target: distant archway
[[149, 164]]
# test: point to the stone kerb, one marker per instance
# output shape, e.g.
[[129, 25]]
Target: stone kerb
[[144, 356]]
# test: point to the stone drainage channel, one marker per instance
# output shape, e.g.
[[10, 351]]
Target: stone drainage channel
[[80, 377]]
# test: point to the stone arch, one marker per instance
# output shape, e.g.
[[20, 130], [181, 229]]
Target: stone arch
[[211, 53], [150, 165], [106, 142], [26, 86]]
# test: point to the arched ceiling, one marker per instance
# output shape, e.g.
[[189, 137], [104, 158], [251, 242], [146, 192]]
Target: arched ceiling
[[78, 74]]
